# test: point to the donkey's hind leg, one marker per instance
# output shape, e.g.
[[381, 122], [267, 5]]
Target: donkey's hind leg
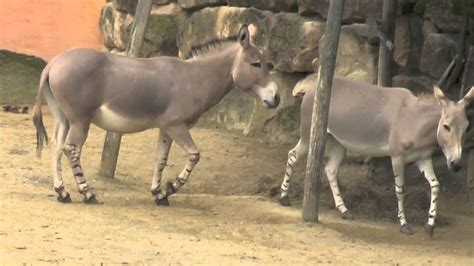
[[59, 138], [300, 150], [336, 153], [75, 139], [182, 137], [163, 149]]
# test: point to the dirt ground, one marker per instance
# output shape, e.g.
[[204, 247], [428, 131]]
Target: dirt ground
[[220, 217]]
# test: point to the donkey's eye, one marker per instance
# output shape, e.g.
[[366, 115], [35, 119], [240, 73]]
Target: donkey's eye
[[256, 65], [447, 128]]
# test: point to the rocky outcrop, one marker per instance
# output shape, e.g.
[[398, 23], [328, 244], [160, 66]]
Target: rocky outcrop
[[196, 4], [443, 17], [354, 11], [275, 32], [130, 6], [272, 5], [160, 37], [416, 83], [408, 41], [438, 52]]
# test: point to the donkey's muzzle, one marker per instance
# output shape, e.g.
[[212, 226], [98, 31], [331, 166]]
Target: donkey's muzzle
[[454, 167], [273, 104]]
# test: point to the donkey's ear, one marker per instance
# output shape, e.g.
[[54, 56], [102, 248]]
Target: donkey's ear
[[469, 97], [244, 36], [440, 96]]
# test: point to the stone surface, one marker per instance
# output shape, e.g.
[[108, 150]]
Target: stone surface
[[428, 28], [273, 5], [113, 26], [275, 33], [301, 34], [438, 52], [354, 11], [232, 113], [161, 33], [356, 57], [408, 41], [443, 17], [281, 123], [415, 83], [130, 6], [196, 4]]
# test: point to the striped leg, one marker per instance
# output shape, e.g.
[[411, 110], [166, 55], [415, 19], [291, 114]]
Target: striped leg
[[163, 149], [426, 167], [293, 155], [75, 139], [183, 138], [336, 153], [399, 171], [59, 138]]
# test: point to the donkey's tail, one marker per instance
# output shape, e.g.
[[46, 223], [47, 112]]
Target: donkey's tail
[[41, 135]]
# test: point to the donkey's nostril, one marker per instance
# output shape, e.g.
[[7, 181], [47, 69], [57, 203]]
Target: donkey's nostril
[[277, 99], [270, 66]]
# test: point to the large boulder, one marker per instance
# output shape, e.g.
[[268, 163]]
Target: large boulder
[[438, 52], [130, 6], [196, 4], [161, 33], [275, 33], [441, 14], [356, 56], [234, 112], [354, 11], [113, 25], [415, 83], [281, 123], [301, 34], [273, 5], [408, 41], [160, 36]]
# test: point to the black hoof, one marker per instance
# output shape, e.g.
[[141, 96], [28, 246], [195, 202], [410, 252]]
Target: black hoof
[[429, 230], [170, 188], [91, 199], [405, 229], [285, 201], [347, 215], [162, 202], [65, 199]]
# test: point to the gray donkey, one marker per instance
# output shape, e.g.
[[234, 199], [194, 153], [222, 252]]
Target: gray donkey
[[375, 121], [128, 95]]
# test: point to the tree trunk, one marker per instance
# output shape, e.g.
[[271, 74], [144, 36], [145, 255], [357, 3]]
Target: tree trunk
[[111, 148], [387, 36], [322, 97]]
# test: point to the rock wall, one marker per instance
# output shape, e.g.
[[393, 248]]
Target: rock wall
[[288, 34]]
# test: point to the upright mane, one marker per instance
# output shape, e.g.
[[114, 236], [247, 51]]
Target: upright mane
[[213, 45]]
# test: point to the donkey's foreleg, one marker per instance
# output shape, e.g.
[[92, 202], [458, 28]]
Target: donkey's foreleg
[[183, 138], [163, 149], [75, 139], [399, 171], [59, 138], [426, 166], [293, 156], [336, 153]]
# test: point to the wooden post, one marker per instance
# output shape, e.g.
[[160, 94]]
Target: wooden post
[[319, 121], [387, 36], [111, 148]]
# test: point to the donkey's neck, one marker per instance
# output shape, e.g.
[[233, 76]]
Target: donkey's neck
[[428, 112], [215, 75]]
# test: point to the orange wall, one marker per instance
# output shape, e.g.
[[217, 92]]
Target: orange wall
[[45, 28]]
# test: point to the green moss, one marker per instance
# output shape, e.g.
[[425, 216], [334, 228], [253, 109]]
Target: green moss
[[19, 77]]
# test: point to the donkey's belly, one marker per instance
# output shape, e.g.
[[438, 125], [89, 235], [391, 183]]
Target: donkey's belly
[[113, 121], [362, 147]]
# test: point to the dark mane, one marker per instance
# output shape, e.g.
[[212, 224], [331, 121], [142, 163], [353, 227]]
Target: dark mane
[[201, 49]]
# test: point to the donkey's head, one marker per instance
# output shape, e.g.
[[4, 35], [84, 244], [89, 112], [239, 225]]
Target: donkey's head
[[452, 126], [250, 71]]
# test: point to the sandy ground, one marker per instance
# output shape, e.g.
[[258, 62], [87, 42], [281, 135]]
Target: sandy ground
[[217, 218]]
